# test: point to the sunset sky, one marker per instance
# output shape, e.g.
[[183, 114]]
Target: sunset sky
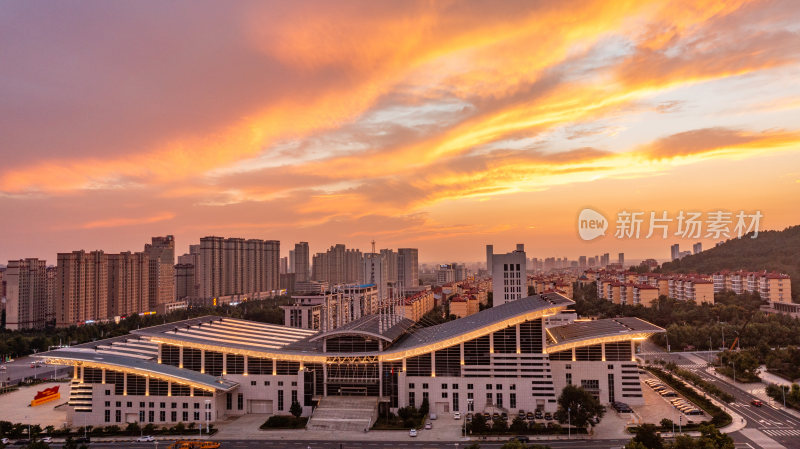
[[438, 125]]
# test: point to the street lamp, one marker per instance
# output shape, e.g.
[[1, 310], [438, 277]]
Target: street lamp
[[569, 423]]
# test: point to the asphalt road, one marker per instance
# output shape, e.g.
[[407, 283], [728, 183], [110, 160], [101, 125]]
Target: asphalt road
[[251, 444], [776, 424], [21, 369]]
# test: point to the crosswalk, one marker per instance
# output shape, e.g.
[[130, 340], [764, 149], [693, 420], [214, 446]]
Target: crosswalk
[[782, 432]]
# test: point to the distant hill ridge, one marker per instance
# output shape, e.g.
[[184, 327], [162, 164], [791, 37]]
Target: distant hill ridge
[[771, 251]]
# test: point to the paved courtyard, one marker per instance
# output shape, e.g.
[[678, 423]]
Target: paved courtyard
[[16, 406]]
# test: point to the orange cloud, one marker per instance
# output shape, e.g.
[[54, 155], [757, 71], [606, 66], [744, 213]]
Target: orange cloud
[[127, 221]]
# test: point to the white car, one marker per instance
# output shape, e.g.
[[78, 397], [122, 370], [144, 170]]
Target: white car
[[3, 367], [428, 425], [145, 439], [47, 440], [456, 415], [412, 432], [5, 441]]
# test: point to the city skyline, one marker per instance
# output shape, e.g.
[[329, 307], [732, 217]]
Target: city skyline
[[419, 125]]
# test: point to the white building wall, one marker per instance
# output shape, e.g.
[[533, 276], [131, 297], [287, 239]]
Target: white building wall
[[508, 276]]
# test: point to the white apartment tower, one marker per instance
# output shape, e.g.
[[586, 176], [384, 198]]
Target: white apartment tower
[[508, 276], [376, 271]]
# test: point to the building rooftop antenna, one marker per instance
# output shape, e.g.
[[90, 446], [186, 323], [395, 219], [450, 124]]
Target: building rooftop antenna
[[373, 246]]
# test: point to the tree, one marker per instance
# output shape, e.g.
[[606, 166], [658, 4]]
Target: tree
[[133, 428], [647, 435], [577, 406], [37, 445], [424, 407], [710, 436], [499, 425], [518, 425], [666, 423], [296, 409], [635, 445], [473, 446], [70, 443], [513, 445], [478, 424]]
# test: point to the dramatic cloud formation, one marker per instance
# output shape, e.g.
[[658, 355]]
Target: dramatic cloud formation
[[437, 124]]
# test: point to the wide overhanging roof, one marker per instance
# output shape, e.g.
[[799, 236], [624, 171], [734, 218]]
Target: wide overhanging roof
[[584, 333], [255, 339], [89, 358], [212, 331], [447, 334], [391, 329]]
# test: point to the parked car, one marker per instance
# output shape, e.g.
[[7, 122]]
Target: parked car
[[456, 415], [3, 368], [428, 425], [469, 417], [522, 414], [520, 438], [539, 414], [487, 416], [548, 416], [756, 403], [504, 416], [529, 416], [412, 432], [47, 440], [495, 416], [5, 441], [146, 439], [432, 416]]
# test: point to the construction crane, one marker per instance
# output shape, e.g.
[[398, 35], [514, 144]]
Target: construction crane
[[740, 332]]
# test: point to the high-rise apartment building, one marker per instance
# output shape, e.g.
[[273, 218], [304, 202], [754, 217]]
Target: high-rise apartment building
[[697, 248], [209, 269], [50, 283], [236, 266], [129, 289], [81, 287], [489, 253], [185, 281], [300, 265], [390, 259], [26, 294], [621, 259], [338, 265], [407, 267], [161, 282], [675, 251], [509, 281], [376, 271]]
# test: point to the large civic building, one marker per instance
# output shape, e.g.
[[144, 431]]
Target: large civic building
[[212, 368]]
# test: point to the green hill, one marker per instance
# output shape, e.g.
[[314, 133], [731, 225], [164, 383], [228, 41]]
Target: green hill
[[772, 251]]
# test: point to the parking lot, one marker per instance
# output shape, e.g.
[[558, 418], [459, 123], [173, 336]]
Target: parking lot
[[658, 407]]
